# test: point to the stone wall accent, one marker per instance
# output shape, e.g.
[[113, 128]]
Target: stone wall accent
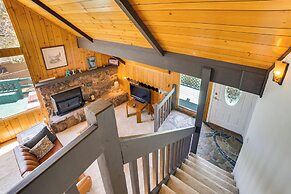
[[99, 83], [96, 84], [58, 124]]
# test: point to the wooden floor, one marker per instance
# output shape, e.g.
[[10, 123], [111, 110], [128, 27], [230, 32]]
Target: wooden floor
[[11, 126]]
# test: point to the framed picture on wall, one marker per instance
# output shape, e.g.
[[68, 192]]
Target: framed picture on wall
[[54, 57], [113, 61], [91, 62]]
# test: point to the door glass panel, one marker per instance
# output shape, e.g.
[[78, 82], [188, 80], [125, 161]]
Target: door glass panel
[[232, 95]]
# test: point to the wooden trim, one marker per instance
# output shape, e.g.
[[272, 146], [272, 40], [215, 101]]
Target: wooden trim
[[223, 72], [284, 54], [55, 14], [64, 79], [207, 103], [136, 20], [9, 52], [138, 146]]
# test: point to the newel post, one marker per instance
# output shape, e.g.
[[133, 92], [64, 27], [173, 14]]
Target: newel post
[[205, 79], [110, 162]]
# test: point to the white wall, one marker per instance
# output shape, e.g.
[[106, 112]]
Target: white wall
[[264, 164]]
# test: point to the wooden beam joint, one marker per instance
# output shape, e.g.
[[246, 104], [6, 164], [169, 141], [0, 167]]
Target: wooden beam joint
[[61, 18], [133, 16]]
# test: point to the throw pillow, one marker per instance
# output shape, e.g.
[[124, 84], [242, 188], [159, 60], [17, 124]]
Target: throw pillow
[[44, 132], [42, 148]]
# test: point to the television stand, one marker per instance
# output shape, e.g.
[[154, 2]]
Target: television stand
[[139, 107]]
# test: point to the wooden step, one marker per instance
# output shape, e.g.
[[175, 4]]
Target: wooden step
[[210, 165], [211, 170], [209, 181], [193, 183], [206, 172], [166, 190], [179, 187]]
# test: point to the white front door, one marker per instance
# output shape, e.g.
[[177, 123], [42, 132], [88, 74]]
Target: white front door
[[232, 109]]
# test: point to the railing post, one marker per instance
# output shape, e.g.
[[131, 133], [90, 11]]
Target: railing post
[[174, 97], [110, 162], [205, 79], [157, 118]]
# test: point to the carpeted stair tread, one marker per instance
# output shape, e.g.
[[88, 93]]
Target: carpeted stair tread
[[193, 183], [179, 186], [206, 172], [211, 170], [205, 180], [211, 176], [210, 165], [166, 190]]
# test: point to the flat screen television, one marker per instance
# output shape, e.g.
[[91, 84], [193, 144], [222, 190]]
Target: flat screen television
[[141, 94]]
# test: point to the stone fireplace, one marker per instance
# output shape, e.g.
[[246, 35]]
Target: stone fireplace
[[64, 98]]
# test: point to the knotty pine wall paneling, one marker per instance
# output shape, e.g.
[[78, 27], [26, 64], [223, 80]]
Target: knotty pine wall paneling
[[35, 32], [11, 126], [160, 78]]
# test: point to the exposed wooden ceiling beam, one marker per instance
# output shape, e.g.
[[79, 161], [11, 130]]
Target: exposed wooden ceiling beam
[[55, 14], [246, 78], [133, 16]]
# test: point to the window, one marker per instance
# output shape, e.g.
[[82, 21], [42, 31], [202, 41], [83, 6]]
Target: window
[[17, 93], [8, 37], [189, 92], [232, 95]]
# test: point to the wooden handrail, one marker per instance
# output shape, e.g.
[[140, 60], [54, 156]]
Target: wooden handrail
[[167, 97], [135, 147], [168, 148], [163, 108]]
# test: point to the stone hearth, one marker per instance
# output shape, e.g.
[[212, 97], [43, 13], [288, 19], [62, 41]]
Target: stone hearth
[[97, 82]]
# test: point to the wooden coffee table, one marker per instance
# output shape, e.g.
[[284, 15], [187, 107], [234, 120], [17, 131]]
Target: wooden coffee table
[[139, 107]]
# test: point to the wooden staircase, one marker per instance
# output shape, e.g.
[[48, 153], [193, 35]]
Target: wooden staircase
[[198, 176]]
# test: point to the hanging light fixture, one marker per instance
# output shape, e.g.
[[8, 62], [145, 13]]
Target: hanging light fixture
[[280, 71]]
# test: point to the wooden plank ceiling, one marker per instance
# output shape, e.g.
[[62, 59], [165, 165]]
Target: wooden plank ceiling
[[248, 32]]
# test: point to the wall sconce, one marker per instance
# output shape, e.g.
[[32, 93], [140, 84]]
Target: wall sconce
[[280, 71]]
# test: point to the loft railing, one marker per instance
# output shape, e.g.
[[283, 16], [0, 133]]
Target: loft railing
[[163, 108], [100, 141], [168, 150]]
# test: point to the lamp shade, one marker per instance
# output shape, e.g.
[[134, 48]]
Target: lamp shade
[[280, 70]]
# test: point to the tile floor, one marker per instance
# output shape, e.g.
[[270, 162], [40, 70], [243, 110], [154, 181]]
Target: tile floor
[[219, 146]]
